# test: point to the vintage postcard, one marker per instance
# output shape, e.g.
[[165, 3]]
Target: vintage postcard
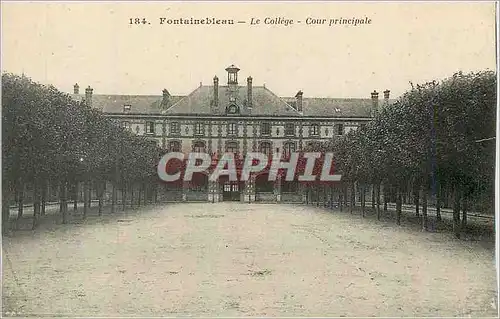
[[249, 159]]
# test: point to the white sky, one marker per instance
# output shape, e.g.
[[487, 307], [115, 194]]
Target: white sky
[[93, 44]]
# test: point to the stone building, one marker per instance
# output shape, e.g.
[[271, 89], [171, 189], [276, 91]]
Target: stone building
[[229, 116]]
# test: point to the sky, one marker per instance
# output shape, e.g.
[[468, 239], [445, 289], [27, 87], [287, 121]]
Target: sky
[[93, 44]]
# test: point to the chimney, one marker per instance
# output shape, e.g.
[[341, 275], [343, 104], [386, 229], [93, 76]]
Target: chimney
[[298, 104], [166, 98], [386, 96], [374, 102], [88, 96], [216, 92], [249, 92], [76, 89]]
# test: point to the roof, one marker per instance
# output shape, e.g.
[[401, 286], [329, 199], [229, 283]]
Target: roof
[[144, 104], [347, 107], [264, 102]]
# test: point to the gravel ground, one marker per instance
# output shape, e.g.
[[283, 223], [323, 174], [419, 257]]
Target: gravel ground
[[233, 259]]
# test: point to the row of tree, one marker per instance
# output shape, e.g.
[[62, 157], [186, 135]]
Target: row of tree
[[436, 139], [49, 139]]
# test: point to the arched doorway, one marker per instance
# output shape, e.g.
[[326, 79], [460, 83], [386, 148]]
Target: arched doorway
[[197, 188], [264, 189], [231, 190]]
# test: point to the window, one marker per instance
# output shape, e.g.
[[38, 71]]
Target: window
[[340, 129], [150, 127], [288, 149], [199, 129], [314, 129], [231, 147], [126, 125], [265, 147], [127, 107], [231, 129], [265, 129], [199, 147], [363, 126], [175, 128], [289, 129], [174, 146]]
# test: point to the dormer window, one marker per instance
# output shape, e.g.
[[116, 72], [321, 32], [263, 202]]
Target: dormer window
[[127, 107], [232, 109]]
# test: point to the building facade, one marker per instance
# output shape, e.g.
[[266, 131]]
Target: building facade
[[229, 117]]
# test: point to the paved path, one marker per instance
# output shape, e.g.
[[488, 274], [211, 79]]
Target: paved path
[[233, 259]]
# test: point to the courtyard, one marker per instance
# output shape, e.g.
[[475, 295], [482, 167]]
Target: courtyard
[[235, 259]]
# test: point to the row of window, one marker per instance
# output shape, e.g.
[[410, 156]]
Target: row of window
[[232, 128], [232, 147]]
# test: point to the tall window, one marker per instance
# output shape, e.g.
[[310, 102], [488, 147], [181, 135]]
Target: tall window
[[150, 127], [232, 147], [199, 147], [199, 129], [126, 125], [265, 129], [315, 130], [340, 129], [265, 147], [288, 148], [289, 129], [175, 128], [231, 129], [174, 146]]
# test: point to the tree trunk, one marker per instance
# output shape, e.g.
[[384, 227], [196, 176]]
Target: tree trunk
[[386, 198], [373, 197], [20, 201], [86, 196], [417, 199], [89, 198], [353, 198], [464, 213], [156, 193], [341, 198], [36, 205], [362, 195], [44, 197], [456, 213], [332, 196], [75, 198], [132, 196], [378, 201], [100, 194], [324, 195], [399, 205], [438, 203], [63, 193], [5, 207], [124, 197], [113, 198], [424, 209]]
